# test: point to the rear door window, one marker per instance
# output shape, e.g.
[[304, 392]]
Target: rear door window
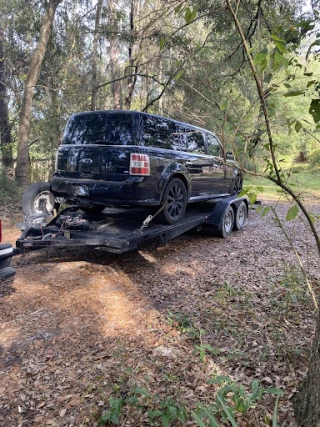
[[99, 128], [157, 132], [190, 140]]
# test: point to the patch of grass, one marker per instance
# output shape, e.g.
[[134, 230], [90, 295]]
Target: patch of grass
[[289, 292], [304, 180]]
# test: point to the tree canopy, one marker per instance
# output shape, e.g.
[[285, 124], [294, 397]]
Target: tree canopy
[[183, 61]]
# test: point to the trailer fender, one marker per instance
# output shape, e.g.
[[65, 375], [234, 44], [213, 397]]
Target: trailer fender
[[218, 214]]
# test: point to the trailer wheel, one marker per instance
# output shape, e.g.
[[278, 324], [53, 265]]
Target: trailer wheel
[[38, 198], [241, 216], [175, 197], [227, 223]]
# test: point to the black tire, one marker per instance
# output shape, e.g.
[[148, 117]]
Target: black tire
[[175, 197], [237, 185], [227, 223], [92, 209], [38, 198], [240, 216]]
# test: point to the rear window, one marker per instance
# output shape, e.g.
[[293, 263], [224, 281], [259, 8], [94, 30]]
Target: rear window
[[99, 128]]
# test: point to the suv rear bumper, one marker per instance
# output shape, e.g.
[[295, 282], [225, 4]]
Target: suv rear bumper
[[106, 192]]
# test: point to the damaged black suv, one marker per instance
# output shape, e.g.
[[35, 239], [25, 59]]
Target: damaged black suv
[[128, 158]]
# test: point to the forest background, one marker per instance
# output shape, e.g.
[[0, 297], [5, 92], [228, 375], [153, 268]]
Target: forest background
[[162, 57]]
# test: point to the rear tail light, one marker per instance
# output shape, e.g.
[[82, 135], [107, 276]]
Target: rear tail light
[[139, 164]]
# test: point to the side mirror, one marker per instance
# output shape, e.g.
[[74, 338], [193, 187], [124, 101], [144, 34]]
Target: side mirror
[[229, 156]]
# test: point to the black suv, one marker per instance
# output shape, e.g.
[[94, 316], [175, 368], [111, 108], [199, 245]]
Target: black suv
[[128, 158]]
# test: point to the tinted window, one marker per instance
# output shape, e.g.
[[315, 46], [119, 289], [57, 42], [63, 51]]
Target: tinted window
[[191, 140], [214, 147], [157, 132], [181, 143], [99, 128]]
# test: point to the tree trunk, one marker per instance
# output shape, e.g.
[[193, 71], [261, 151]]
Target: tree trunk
[[307, 401], [5, 130], [23, 161], [131, 81], [94, 60], [114, 58]]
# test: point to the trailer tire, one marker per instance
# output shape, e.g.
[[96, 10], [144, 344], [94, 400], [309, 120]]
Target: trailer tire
[[227, 223], [175, 196], [38, 198], [240, 216]]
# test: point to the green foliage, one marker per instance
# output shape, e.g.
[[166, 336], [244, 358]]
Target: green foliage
[[112, 416], [231, 398], [251, 193], [274, 417], [265, 211], [314, 110], [262, 59], [303, 177], [169, 410], [205, 349], [291, 286], [136, 398], [10, 192], [187, 12], [212, 419], [294, 93], [314, 158], [292, 213]]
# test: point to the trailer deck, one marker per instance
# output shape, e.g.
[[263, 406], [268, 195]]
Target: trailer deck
[[117, 230]]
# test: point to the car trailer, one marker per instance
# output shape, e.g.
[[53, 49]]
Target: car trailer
[[122, 230]]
